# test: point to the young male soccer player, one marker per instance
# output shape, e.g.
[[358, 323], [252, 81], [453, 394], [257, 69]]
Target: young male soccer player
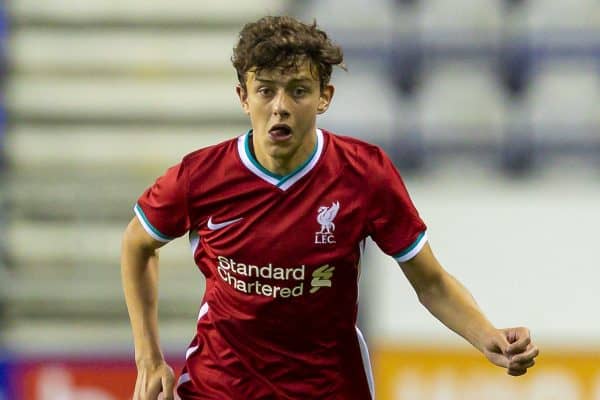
[[276, 219]]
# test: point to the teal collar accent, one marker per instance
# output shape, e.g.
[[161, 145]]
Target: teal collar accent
[[255, 161], [282, 182]]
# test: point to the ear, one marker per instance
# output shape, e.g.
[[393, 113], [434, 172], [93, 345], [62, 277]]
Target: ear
[[243, 95], [325, 99]]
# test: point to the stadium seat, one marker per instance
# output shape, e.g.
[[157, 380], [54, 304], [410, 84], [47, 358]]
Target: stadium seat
[[141, 99], [365, 105], [127, 148], [139, 11], [76, 248], [123, 51], [560, 17], [122, 160], [448, 22], [564, 102], [461, 103], [351, 15], [515, 62]]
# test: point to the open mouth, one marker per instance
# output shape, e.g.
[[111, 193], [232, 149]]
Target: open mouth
[[280, 132]]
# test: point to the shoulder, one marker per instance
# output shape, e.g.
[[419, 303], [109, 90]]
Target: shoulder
[[358, 154], [349, 143], [206, 158]]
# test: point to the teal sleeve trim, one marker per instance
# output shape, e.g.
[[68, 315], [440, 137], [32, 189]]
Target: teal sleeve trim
[[413, 249], [152, 231]]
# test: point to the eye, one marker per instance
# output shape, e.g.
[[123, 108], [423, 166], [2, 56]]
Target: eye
[[299, 91], [265, 91]]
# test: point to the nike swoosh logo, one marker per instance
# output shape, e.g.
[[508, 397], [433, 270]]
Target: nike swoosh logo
[[213, 227]]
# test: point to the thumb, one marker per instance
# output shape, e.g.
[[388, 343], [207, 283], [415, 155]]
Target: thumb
[[496, 347], [502, 342]]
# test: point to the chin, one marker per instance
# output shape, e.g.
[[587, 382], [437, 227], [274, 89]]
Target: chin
[[281, 151]]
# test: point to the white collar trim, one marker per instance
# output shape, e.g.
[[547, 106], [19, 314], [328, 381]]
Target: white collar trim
[[282, 182]]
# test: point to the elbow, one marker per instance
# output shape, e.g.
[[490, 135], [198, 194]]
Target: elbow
[[432, 290], [426, 297]]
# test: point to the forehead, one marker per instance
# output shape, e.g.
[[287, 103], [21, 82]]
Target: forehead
[[302, 72]]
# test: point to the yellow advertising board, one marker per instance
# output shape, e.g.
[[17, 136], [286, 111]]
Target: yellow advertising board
[[421, 373]]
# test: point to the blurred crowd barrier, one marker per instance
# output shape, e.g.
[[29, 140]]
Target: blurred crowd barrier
[[401, 373], [430, 373], [3, 252], [103, 378]]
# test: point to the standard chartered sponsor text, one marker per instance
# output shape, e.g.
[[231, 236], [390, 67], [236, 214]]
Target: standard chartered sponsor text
[[233, 273]]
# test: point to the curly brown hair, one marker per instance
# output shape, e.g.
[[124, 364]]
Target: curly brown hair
[[284, 42]]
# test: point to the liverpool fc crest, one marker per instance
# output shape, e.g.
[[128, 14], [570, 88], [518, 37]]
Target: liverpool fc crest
[[325, 217]]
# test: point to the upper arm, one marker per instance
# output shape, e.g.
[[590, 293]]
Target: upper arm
[[163, 208], [393, 221], [423, 271], [135, 235]]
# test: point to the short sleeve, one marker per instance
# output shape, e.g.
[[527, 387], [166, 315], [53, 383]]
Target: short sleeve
[[162, 209], [394, 223]]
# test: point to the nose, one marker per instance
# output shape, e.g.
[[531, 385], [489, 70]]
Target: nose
[[280, 104]]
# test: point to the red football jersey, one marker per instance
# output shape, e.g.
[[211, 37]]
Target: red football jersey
[[281, 257]]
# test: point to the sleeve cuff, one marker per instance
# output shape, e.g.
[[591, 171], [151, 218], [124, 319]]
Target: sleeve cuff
[[152, 231], [413, 249]]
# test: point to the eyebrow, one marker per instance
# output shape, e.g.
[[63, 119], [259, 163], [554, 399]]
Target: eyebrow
[[294, 80]]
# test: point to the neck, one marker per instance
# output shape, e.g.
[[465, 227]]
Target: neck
[[283, 165]]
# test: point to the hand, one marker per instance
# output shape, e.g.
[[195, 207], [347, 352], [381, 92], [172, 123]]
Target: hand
[[154, 378], [512, 349]]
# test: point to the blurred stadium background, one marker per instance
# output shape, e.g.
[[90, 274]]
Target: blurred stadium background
[[490, 108]]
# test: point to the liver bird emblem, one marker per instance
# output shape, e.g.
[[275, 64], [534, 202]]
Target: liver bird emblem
[[326, 216]]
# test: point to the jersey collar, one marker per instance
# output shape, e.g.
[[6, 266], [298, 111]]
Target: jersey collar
[[282, 182]]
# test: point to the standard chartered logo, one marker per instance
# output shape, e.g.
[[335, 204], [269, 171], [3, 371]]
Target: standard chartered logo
[[321, 278], [250, 279]]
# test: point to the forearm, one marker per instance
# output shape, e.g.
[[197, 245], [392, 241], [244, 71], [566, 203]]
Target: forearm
[[451, 303], [139, 273]]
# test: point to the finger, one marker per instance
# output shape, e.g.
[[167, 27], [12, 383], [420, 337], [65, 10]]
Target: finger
[[522, 365], [167, 381], [520, 368], [529, 354], [514, 334], [523, 340], [495, 349], [502, 343], [517, 371], [497, 359]]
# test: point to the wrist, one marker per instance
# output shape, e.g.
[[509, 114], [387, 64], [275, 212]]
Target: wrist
[[485, 337], [149, 359], [479, 333]]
